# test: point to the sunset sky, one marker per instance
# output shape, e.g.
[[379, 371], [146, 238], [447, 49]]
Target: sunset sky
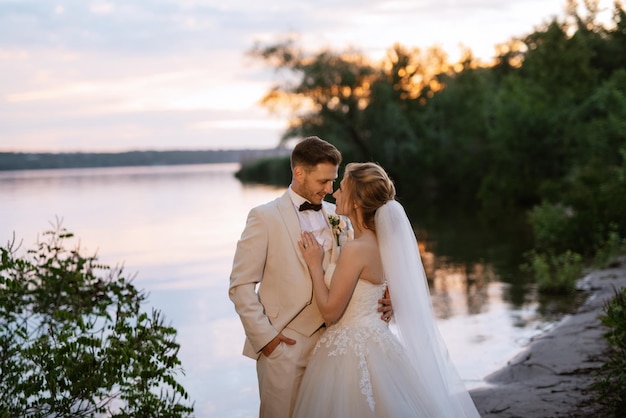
[[94, 75]]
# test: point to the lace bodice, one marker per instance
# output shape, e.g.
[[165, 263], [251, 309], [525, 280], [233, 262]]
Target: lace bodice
[[363, 307], [360, 324]]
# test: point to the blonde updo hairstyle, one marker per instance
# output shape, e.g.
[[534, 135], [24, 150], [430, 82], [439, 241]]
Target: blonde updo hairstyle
[[369, 187]]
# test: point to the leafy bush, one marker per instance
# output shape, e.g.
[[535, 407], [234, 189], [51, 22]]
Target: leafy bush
[[584, 211], [73, 343], [554, 274], [611, 386], [610, 248], [551, 226]]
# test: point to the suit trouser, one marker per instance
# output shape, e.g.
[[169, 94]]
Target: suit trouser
[[280, 374]]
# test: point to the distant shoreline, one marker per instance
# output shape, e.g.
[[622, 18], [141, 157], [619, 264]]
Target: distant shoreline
[[47, 160]]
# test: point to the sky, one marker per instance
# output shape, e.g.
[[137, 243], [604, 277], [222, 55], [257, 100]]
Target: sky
[[120, 75]]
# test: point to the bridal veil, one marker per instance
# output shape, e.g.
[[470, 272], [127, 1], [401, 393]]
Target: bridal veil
[[413, 313]]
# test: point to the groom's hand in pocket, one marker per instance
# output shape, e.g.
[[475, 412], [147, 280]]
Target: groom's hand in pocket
[[271, 346]]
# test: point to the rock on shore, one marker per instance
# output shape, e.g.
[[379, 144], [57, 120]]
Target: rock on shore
[[551, 377]]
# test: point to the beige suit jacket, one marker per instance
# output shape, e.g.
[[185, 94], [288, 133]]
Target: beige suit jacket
[[270, 283]]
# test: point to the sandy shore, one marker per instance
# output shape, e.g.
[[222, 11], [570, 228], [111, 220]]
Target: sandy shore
[[551, 377]]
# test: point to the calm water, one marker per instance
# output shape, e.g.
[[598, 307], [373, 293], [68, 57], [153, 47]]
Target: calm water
[[177, 227]]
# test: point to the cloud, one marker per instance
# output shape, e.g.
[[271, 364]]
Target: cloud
[[156, 130], [137, 27], [106, 73], [144, 27], [187, 90]]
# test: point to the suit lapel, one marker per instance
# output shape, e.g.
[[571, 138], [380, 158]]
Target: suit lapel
[[292, 223]]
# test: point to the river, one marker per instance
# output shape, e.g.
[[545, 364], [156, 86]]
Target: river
[[175, 228]]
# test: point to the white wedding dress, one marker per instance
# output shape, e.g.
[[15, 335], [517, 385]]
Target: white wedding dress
[[361, 369]]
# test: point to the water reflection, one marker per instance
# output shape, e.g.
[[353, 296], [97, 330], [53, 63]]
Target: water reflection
[[177, 228], [447, 280]]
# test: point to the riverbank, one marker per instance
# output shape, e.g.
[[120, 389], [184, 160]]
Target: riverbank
[[552, 376]]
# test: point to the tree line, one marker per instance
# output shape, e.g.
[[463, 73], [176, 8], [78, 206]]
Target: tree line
[[36, 161], [542, 129]]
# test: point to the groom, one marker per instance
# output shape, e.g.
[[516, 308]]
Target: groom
[[281, 320]]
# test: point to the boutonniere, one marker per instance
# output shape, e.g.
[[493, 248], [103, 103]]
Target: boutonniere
[[337, 225]]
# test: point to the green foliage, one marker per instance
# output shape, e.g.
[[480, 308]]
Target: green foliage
[[539, 131], [75, 343], [522, 149], [456, 128], [559, 64], [597, 127], [611, 385], [554, 273], [609, 249], [371, 113], [583, 210], [551, 226], [327, 95]]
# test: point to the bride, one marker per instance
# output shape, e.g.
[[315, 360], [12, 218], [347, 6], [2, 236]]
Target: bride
[[359, 367]]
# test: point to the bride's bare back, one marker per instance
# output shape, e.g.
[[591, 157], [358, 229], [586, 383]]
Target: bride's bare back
[[363, 251]]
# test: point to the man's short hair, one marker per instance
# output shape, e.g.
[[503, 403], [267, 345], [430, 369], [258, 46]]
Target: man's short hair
[[312, 151]]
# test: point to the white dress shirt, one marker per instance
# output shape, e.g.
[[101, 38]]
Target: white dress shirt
[[312, 221]]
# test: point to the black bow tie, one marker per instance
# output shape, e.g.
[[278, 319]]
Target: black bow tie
[[309, 206]]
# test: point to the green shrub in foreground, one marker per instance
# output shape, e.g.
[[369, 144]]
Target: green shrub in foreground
[[73, 343], [611, 385]]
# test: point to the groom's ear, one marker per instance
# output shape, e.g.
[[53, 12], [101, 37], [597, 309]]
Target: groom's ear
[[298, 173]]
